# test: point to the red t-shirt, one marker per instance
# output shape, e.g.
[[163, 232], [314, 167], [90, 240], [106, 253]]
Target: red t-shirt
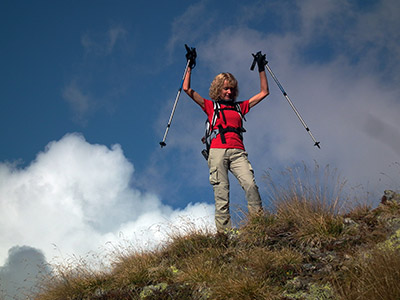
[[233, 119]]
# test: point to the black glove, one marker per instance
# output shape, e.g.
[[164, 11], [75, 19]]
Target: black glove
[[261, 61], [191, 56]]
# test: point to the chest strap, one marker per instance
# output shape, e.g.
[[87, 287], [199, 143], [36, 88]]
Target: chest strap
[[239, 131]]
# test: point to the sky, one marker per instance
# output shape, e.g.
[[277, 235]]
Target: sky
[[87, 88]]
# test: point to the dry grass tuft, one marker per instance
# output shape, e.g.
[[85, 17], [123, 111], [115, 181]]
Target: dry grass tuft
[[373, 275], [72, 282]]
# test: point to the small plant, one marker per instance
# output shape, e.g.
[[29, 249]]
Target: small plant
[[373, 275], [135, 268]]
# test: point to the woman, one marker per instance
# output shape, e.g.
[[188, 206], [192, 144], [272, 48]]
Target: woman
[[227, 151]]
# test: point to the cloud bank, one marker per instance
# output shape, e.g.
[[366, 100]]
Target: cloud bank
[[76, 197], [338, 61], [21, 272]]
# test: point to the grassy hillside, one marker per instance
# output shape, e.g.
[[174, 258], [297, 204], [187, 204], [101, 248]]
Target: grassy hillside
[[305, 249]]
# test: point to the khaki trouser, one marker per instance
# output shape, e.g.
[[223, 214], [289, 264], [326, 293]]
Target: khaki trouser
[[236, 161]]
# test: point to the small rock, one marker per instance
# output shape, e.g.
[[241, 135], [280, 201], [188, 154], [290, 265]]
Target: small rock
[[150, 290], [390, 196]]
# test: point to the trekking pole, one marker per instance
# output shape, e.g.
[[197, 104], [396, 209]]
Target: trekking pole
[[162, 143], [285, 95]]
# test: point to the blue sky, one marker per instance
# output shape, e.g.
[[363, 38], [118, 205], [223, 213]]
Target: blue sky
[[86, 90]]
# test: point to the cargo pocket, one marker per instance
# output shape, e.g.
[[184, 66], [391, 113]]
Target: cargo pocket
[[245, 155], [214, 176], [251, 168]]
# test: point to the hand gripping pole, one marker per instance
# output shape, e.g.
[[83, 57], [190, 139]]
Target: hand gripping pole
[[162, 143], [317, 144]]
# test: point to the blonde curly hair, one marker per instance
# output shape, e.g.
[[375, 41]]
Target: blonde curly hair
[[218, 83]]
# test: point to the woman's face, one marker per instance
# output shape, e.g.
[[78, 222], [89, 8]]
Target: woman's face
[[227, 91]]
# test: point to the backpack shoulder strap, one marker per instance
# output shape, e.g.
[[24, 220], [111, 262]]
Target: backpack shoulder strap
[[239, 110], [217, 108]]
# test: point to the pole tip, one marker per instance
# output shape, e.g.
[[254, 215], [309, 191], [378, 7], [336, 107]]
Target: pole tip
[[317, 144], [163, 144]]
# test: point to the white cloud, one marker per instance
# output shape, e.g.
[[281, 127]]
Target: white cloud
[[350, 101], [79, 101], [76, 197], [114, 34], [83, 93], [103, 44], [185, 27]]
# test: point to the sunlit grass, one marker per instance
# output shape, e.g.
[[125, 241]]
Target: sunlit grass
[[310, 245]]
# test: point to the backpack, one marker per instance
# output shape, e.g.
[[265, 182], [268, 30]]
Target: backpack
[[211, 133]]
